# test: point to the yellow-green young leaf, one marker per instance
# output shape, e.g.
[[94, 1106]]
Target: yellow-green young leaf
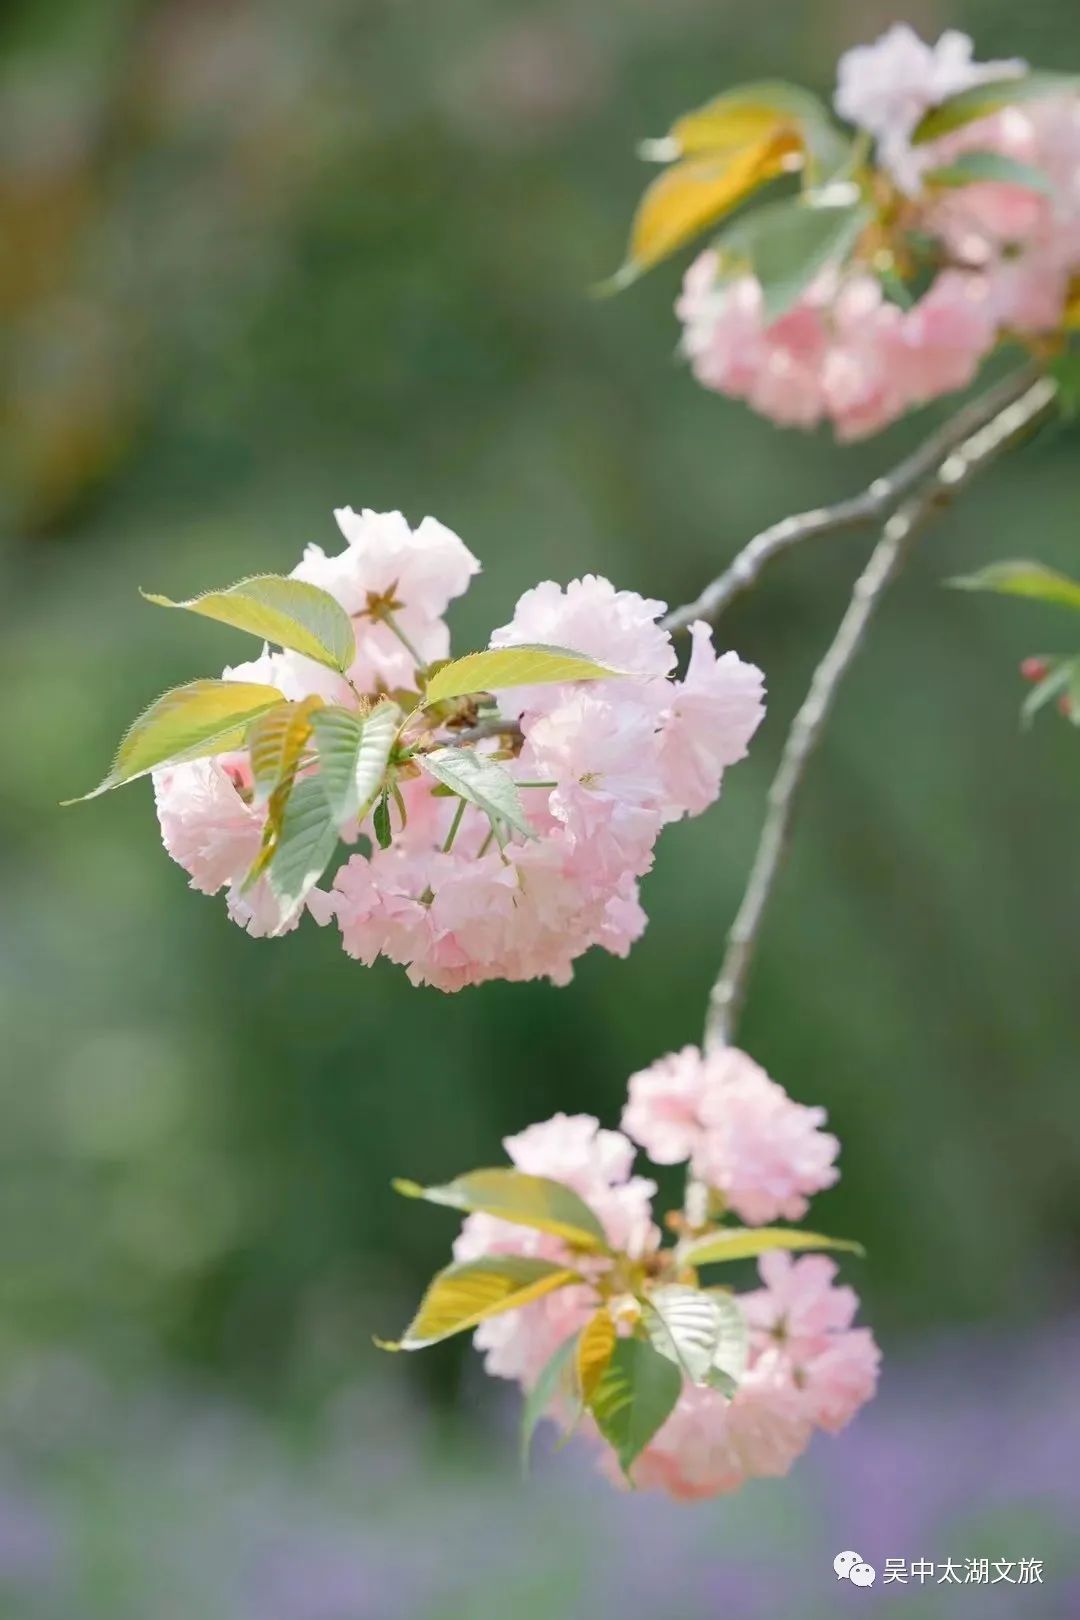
[[697, 1330], [747, 1242], [983, 99], [276, 741], [304, 845], [556, 1377], [634, 1396], [1030, 579], [529, 665], [734, 119], [750, 113], [690, 196], [286, 612], [480, 781], [972, 167], [189, 722], [354, 751], [534, 1201], [462, 1296], [595, 1347]]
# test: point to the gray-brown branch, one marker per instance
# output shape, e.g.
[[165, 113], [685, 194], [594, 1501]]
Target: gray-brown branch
[[1017, 408], [860, 511]]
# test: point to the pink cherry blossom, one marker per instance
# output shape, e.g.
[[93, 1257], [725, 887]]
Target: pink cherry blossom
[[206, 825], [744, 1136], [710, 1446], [841, 1379], [798, 1308], [602, 752], [886, 88], [868, 362], [714, 712], [602, 768], [421, 570], [808, 1367], [1026, 241], [802, 1318], [663, 1112], [617, 628], [210, 829]]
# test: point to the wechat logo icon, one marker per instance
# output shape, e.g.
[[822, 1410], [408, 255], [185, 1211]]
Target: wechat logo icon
[[850, 1566]]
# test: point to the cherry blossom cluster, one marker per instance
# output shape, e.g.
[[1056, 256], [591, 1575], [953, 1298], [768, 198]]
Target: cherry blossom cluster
[[972, 238], [599, 768], [753, 1153]]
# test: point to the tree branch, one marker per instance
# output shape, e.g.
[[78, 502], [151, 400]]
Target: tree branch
[[1016, 411], [857, 511]]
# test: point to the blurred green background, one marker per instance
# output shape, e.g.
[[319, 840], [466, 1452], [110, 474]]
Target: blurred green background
[[264, 259]]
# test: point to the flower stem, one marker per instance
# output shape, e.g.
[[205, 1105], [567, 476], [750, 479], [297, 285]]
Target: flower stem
[[392, 625], [454, 825]]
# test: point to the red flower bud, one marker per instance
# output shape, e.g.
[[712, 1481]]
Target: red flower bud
[[1034, 669]]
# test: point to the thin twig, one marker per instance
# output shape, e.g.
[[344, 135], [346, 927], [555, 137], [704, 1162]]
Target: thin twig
[[856, 512], [978, 451], [489, 725]]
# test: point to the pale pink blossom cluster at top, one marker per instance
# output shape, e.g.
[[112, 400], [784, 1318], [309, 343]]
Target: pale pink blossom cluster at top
[[809, 1367], [846, 353], [625, 756]]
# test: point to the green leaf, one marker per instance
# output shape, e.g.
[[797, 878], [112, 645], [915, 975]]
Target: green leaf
[[528, 665], [789, 242], [338, 735], [188, 722], [276, 741], [634, 1397], [732, 1350], [746, 1242], [1028, 579], [1065, 370], [286, 612], [354, 752], [304, 846], [983, 99], [697, 1330], [480, 781], [534, 1201], [972, 167], [462, 1296], [554, 1377], [380, 822]]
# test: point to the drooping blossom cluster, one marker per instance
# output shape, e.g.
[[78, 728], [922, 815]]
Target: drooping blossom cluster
[[600, 767], [760, 1155], [949, 264], [810, 1368], [739, 1131]]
